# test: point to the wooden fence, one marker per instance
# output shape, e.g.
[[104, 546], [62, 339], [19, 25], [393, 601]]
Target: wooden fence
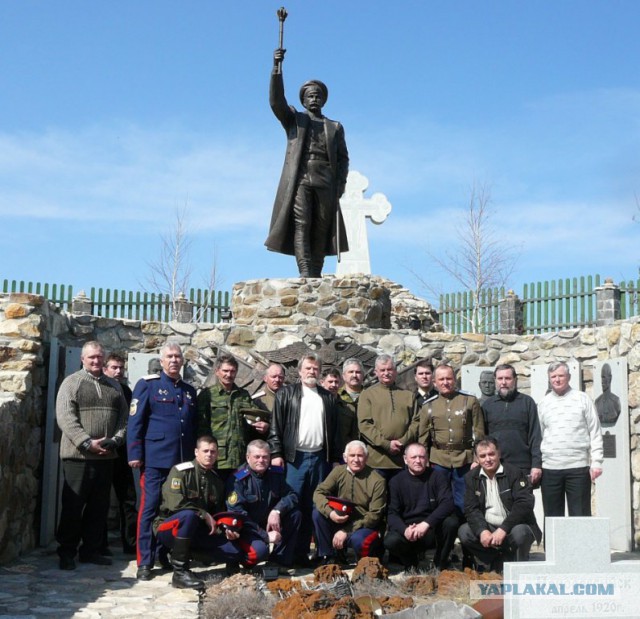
[[547, 306], [208, 305]]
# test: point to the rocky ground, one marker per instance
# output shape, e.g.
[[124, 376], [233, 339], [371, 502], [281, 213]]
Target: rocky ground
[[361, 593]]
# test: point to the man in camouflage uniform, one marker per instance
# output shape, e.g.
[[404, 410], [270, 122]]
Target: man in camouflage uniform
[[449, 424], [219, 413]]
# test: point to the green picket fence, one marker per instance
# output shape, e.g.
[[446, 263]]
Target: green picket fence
[[127, 304], [547, 306]]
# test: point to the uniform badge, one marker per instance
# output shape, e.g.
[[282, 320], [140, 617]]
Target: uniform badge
[[175, 483], [233, 498], [163, 391], [133, 409], [523, 483], [189, 397]]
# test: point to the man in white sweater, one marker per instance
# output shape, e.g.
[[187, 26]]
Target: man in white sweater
[[571, 446]]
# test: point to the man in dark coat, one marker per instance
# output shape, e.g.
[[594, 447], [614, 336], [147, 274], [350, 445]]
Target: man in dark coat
[[498, 505], [306, 220]]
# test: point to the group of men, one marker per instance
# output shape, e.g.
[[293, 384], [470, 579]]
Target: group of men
[[367, 469]]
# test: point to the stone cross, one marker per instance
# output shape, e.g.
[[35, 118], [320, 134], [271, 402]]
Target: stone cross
[[577, 579], [355, 209]]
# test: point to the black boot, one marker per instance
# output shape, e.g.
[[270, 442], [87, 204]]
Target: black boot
[[182, 577]]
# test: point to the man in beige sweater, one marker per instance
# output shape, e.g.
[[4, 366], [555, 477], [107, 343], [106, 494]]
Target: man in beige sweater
[[91, 411]]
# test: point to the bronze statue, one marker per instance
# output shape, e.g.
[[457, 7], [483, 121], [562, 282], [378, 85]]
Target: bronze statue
[[306, 220]]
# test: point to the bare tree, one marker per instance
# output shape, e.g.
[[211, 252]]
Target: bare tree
[[481, 260], [172, 273]]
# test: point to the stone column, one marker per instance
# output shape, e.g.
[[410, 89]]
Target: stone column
[[607, 303], [81, 305], [182, 308], [511, 314]]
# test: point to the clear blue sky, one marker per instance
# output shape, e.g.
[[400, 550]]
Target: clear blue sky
[[115, 114]]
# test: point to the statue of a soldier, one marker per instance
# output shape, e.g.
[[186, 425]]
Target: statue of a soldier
[[306, 220]]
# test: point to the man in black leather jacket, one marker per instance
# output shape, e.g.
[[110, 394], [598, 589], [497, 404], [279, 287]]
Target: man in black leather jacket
[[304, 439], [498, 505]]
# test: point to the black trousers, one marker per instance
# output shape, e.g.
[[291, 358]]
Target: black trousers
[[125, 489], [313, 213], [442, 538], [85, 505], [516, 546], [574, 484]]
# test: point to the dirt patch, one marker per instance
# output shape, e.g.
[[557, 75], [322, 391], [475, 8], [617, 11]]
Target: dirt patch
[[369, 568], [419, 585], [328, 573]]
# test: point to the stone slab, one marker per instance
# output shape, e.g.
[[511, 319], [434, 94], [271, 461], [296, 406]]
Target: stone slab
[[577, 579]]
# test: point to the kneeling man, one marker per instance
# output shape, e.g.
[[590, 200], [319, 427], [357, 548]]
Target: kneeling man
[[361, 498], [498, 505], [421, 512], [267, 502], [191, 495]]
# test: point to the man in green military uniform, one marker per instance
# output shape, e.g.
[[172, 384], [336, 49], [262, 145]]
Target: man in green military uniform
[[449, 424], [273, 380], [387, 419], [191, 496], [219, 413], [348, 395]]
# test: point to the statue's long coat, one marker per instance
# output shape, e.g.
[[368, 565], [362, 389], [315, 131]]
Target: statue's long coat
[[295, 123]]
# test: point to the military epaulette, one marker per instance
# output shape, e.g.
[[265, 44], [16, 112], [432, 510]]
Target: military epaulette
[[277, 469], [431, 399], [185, 466], [467, 393], [242, 473], [151, 377], [259, 394]]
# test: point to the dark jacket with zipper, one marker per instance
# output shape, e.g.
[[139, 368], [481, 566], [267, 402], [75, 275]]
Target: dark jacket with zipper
[[515, 494]]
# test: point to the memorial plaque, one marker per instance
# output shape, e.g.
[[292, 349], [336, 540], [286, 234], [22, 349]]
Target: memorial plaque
[[609, 445]]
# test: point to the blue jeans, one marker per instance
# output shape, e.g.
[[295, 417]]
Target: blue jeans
[[303, 475], [456, 479]]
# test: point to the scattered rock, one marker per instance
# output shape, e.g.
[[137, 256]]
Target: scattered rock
[[369, 568]]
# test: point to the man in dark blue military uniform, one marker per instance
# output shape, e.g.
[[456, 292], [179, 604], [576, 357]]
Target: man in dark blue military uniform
[[270, 506], [161, 433], [192, 517]]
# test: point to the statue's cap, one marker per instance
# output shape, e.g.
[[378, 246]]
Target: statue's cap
[[316, 84]]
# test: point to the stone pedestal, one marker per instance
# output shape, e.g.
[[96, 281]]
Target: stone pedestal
[[332, 301]]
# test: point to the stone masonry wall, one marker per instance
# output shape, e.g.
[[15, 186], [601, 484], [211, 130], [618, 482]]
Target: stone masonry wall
[[23, 376], [26, 324]]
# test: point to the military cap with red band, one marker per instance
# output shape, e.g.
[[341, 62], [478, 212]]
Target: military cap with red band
[[229, 520], [342, 506]]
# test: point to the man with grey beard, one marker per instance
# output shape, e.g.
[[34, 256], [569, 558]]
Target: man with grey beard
[[512, 418], [304, 440]]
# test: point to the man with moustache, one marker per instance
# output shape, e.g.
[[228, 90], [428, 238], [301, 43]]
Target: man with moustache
[[304, 439], [161, 433], [512, 418], [498, 506], [219, 412]]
